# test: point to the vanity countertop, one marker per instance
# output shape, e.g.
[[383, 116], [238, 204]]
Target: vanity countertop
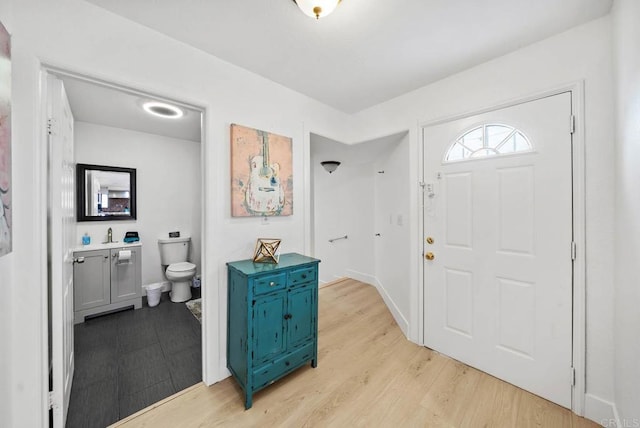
[[108, 246]]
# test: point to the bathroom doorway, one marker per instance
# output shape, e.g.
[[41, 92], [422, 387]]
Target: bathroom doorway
[[116, 363]]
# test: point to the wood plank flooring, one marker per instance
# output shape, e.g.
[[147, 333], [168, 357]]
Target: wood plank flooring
[[368, 375]]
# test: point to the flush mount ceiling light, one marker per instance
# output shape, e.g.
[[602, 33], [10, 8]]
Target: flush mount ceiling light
[[330, 166], [162, 110], [317, 8]]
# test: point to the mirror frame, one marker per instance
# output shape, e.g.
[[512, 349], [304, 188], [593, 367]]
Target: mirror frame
[[81, 198]]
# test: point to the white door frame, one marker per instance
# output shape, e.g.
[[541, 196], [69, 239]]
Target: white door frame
[[210, 348], [579, 225]]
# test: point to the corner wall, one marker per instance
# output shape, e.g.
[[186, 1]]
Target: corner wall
[[626, 39], [367, 199], [168, 189]]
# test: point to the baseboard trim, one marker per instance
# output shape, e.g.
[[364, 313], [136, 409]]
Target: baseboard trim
[[601, 411], [393, 308], [324, 284]]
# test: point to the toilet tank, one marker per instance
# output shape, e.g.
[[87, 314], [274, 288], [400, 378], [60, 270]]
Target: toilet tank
[[174, 250]]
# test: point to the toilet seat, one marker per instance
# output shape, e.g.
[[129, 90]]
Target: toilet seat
[[181, 267]]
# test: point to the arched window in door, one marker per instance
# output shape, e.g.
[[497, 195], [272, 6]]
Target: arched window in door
[[486, 141]]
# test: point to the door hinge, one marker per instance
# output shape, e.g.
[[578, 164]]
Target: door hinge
[[51, 400], [572, 124], [573, 376], [574, 250], [51, 126]]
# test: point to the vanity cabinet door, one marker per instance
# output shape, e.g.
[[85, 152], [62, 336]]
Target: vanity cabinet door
[[126, 277], [91, 273]]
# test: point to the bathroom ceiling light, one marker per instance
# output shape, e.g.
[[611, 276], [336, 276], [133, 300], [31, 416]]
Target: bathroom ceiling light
[[330, 166], [162, 110], [317, 8]]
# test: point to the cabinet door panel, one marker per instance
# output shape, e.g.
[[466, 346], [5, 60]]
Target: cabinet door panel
[[91, 280], [269, 326], [125, 277], [301, 323]]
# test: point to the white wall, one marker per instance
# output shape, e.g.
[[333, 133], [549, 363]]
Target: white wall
[[168, 189], [81, 37], [580, 54], [392, 247], [626, 33], [344, 205]]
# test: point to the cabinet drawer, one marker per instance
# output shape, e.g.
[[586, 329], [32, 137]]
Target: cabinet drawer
[[281, 366], [266, 284], [300, 276]]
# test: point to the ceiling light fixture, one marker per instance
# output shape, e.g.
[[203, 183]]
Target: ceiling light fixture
[[162, 110], [330, 166], [317, 8]]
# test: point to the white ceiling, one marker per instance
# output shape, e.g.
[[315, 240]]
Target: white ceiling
[[367, 51], [325, 149], [104, 105]]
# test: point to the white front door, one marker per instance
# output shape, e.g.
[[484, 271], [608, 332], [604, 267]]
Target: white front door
[[498, 211], [61, 242]]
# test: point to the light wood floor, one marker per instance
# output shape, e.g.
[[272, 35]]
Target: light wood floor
[[368, 375]]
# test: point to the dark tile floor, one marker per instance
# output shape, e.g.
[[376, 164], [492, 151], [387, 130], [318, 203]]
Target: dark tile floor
[[128, 360]]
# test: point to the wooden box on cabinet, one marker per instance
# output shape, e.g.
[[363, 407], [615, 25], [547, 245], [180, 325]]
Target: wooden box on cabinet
[[272, 320], [102, 283]]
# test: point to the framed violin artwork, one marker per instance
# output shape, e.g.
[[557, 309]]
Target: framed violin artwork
[[261, 173]]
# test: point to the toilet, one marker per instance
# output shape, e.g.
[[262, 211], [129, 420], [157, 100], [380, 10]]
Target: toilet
[[173, 255]]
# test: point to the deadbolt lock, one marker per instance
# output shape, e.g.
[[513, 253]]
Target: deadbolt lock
[[429, 240], [429, 256]]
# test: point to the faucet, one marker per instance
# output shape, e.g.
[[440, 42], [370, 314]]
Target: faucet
[[109, 235]]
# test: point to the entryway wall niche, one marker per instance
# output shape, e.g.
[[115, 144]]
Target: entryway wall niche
[[366, 199]]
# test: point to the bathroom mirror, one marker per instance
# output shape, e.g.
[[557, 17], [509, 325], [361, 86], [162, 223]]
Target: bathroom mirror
[[105, 193]]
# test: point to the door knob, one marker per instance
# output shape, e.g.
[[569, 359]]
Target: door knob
[[429, 256]]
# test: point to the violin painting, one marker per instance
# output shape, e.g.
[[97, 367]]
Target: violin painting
[[261, 173]]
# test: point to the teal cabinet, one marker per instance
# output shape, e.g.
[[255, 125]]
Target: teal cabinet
[[272, 320]]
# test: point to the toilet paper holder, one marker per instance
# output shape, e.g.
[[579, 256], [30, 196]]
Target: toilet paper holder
[[124, 257]]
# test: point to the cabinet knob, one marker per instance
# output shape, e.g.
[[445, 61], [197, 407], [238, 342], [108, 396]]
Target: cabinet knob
[[304, 276], [287, 363], [272, 283], [287, 316]]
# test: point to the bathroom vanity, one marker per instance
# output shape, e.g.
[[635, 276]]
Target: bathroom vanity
[[106, 277], [272, 320]]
